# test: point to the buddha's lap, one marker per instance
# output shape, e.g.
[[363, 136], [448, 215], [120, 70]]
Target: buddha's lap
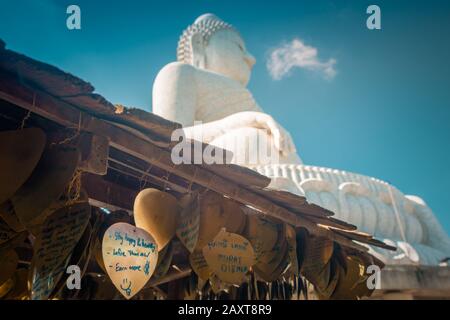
[[368, 212], [253, 146]]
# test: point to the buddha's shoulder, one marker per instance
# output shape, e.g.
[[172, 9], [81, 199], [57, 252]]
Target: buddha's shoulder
[[180, 71], [177, 70]]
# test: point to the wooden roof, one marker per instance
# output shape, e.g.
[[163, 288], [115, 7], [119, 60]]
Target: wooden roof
[[140, 149]]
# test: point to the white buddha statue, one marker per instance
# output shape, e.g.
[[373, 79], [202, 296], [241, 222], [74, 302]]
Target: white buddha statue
[[205, 91]]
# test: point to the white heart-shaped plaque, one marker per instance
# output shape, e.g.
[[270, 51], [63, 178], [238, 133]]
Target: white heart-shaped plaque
[[130, 255]]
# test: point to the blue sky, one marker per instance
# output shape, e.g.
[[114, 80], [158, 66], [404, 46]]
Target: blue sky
[[386, 113]]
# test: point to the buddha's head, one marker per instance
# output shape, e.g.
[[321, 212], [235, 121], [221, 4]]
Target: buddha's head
[[215, 45]]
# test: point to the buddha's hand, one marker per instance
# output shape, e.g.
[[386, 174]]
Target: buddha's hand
[[281, 138], [209, 131]]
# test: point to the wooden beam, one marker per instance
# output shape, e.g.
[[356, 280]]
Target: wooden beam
[[106, 194]]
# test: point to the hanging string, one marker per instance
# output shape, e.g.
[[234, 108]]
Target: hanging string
[[144, 178], [28, 115], [166, 178], [74, 187], [255, 284], [191, 182], [68, 139]]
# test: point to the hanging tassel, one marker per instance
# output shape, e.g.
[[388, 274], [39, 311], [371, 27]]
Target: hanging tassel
[[255, 284]]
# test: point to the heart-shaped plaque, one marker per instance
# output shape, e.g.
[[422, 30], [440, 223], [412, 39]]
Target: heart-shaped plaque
[[21, 151], [53, 247], [229, 256], [130, 255], [189, 222]]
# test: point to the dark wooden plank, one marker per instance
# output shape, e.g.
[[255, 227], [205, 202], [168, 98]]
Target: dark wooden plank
[[43, 75], [239, 175]]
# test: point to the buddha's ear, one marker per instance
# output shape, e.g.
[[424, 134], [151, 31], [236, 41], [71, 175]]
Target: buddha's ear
[[198, 57]]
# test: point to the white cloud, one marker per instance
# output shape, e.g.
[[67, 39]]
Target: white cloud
[[297, 54]]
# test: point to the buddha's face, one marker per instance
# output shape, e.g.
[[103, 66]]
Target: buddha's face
[[226, 54]]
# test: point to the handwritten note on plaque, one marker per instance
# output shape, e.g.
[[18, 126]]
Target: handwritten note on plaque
[[54, 244], [188, 227], [229, 256], [262, 233], [318, 251], [199, 265], [130, 255], [164, 260]]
